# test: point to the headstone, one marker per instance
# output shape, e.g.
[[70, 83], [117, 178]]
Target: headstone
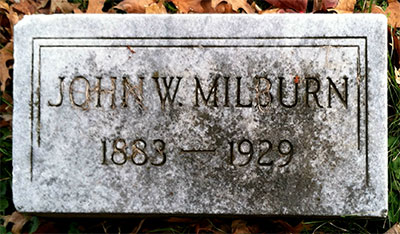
[[201, 114]]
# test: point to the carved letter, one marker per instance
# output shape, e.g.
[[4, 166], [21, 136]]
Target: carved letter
[[226, 91], [238, 103], [83, 105], [100, 90], [167, 86], [61, 93], [281, 93], [313, 93], [213, 90], [342, 99], [135, 90], [263, 91]]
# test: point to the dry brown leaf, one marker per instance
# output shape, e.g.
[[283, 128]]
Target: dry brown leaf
[[42, 3], [6, 117], [6, 54], [4, 123], [397, 75], [13, 18], [236, 5], [270, 11], [395, 229], [17, 219], [345, 6], [240, 227], [186, 6], [95, 6], [43, 6], [4, 5], [26, 7], [290, 229], [224, 7], [78, 11], [377, 9], [5, 24], [393, 13], [206, 4], [339, 11], [156, 8], [134, 6], [62, 6]]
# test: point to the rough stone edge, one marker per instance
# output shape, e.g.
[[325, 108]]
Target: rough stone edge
[[24, 35]]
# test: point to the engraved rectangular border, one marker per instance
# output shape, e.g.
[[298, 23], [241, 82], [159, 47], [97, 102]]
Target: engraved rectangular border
[[193, 45]]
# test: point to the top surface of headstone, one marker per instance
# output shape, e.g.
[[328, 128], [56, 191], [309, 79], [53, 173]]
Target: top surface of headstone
[[201, 114]]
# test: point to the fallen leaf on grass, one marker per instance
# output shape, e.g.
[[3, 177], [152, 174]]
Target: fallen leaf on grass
[[395, 229], [78, 11], [6, 117], [394, 47], [6, 54], [223, 7], [377, 9], [8, 19], [62, 6], [393, 12], [345, 6], [134, 6], [270, 11], [95, 6], [5, 25], [4, 6], [187, 6], [26, 7], [397, 75], [236, 5], [206, 229], [290, 229], [13, 18], [156, 8], [240, 227], [17, 219]]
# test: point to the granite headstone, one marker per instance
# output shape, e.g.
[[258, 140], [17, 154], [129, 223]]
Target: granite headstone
[[201, 114]]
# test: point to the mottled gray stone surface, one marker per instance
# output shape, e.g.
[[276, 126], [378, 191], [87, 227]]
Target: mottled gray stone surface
[[320, 152]]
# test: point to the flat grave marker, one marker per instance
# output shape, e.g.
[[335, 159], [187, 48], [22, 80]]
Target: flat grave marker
[[201, 114]]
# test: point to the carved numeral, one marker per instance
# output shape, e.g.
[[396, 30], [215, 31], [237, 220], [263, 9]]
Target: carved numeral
[[263, 154], [286, 149], [119, 147], [245, 148], [138, 149], [159, 145], [138, 156]]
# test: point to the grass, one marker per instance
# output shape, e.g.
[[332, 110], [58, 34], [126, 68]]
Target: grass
[[6, 165], [393, 142]]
